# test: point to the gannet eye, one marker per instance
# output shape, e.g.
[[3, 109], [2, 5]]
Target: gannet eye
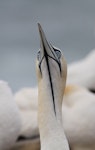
[[58, 53], [39, 56]]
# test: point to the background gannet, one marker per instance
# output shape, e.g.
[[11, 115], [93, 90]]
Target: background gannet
[[10, 122], [82, 72], [51, 72], [27, 101], [78, 117], [25, 98]]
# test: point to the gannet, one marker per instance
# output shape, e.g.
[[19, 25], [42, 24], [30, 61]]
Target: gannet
[[82, 72], [51, 72], [10, 122], [78, 117], [77, 109], [27, 101]]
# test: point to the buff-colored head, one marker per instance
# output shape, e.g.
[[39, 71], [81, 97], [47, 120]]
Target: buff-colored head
[[51, 68]]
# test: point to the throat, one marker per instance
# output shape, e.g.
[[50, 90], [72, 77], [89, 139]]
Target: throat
[[48, 120], [50, 125], [51, 84]]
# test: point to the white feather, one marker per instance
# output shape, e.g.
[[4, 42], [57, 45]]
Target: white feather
[[27, 100], [78, 114], [10, 122], [82, 72]]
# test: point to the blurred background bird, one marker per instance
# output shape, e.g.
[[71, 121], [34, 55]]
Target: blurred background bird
[[10, 121]]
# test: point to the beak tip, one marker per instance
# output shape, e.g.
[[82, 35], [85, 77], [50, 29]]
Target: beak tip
[[39, 26]]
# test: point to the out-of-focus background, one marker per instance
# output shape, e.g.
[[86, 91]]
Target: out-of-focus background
[[68, 24]]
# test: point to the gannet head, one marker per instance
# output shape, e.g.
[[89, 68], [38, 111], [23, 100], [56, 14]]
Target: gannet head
[[51, 67]]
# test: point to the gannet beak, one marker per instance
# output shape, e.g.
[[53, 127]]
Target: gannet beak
[[47, 53], [46, 48]]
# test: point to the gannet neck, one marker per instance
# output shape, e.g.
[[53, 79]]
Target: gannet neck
[[51, 72], [48, 119]]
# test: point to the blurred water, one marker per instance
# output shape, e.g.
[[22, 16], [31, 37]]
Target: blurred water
[[69, 25]]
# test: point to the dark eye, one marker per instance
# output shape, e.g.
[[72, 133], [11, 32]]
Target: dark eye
[[58, 53], [39, 56]]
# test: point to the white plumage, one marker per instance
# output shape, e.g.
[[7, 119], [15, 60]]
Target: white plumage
[[78, 106], [82, 72], [24, 98], [10, 122], [51, 71], [78, 114], [78, 117], [27, 101]]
